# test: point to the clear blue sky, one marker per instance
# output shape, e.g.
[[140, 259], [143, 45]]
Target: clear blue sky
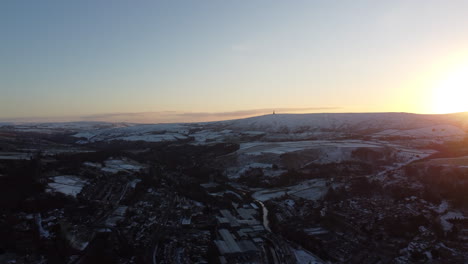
[[81, 58]]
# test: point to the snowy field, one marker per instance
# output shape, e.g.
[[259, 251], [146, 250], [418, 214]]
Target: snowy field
[[67, 184], [264, 154], [258, 148], [426, 132], [117, 165]]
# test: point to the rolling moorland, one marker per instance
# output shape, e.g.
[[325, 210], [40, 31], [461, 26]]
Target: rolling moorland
[[279, 188]]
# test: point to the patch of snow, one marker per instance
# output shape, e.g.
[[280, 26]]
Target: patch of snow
[[259, 148], [450, 215], [116, 165], [442, 207], [67, 184], [42, 232], [134, 183], [91, 164], [304, 257]]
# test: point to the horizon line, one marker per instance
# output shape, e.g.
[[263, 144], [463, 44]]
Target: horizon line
[[173, 117]]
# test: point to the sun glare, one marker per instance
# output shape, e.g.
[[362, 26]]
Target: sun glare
[[451, 93]]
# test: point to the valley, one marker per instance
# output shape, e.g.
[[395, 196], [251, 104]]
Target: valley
[[305, 188]]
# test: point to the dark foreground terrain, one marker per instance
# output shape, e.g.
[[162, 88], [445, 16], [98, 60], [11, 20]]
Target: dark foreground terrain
[[227, 194]]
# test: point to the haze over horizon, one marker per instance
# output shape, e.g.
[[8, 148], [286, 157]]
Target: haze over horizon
[[172, 117], [208, 60]]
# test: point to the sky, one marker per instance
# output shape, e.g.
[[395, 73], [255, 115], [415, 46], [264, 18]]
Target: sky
[[198, 60]]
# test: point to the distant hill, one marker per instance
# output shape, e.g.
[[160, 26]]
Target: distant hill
[[346, 122], [292, 126]]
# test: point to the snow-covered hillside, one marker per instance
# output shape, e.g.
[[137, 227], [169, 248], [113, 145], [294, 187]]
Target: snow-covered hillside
[[345, 122], [287, 127], [149, 133], [437, 131]]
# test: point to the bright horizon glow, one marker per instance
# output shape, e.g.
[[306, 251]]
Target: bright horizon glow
[[451, 92], [65, 60]]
